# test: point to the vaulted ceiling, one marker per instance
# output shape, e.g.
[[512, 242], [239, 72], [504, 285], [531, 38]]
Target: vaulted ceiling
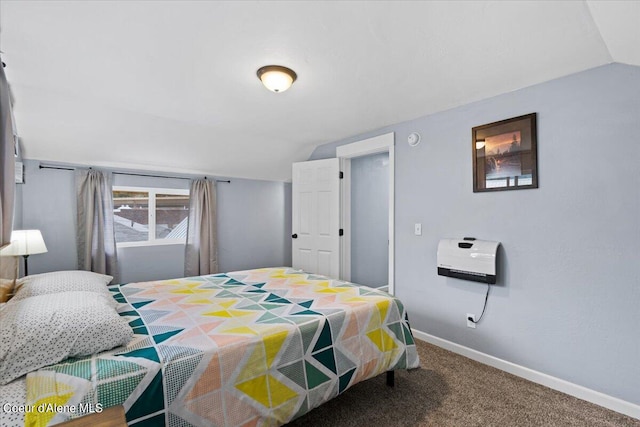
[[172, 86]]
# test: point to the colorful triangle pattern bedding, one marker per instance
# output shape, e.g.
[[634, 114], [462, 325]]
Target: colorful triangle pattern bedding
[[250, 348]]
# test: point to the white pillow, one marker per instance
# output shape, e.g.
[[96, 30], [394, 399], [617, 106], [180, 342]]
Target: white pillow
[[62, 281], [46, 329]]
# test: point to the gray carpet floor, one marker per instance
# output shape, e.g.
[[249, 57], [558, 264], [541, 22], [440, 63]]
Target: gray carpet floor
[[451, 390]]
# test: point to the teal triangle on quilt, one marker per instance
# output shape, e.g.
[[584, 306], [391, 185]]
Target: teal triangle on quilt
[[315, 377], [258, 285], [165, 336], [270, 306], [116, 294], [306, 313], [109, 368], [155, 421], [147, 352], [119, 298], [233, 282], [266, 316], [141, 330], [176, 375], [257, 291], [343, 362], [277, 298], [136, 322], [255, 298], [216, 280], [226, 294], [80, 368], [402, 362], [324, 340], [396, 328], [129, 313], [150, 401], [308, 332], [345, 379], [111, 393], [140, 304], [327, 358], [295, 372], [306, 304], [408, 338], [249, 305]]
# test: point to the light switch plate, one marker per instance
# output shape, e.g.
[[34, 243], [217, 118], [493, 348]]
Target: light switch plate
[[418, 229]]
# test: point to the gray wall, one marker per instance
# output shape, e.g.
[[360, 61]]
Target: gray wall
[[568, 295], [253, 225], [370, 220]]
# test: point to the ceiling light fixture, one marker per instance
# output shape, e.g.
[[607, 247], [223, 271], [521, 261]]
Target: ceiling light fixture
[[277, 78]]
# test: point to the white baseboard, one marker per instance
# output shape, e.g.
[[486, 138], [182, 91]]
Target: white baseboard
[[601, 399]]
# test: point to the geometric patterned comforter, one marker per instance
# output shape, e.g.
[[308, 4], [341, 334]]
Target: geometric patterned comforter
[[250, 348]]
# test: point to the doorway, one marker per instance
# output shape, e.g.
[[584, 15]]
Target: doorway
[[349, 156], [370, 220]]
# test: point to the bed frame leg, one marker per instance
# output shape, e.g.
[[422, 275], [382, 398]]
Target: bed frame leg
[[391, 379]]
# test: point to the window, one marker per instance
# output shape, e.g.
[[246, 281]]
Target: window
[[150, 216]]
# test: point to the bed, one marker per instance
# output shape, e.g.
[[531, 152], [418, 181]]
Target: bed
[[247, 348]]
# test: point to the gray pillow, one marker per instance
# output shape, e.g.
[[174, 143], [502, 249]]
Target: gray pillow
[[62, 281], [46, 329]]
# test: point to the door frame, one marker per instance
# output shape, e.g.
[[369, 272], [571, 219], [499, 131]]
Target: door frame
[[377, 144]]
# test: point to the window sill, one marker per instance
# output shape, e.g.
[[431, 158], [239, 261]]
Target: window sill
[[150, 243]]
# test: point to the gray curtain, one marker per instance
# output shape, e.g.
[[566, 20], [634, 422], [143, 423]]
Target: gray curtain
[[7, 161], [201, 254], [95, 233]]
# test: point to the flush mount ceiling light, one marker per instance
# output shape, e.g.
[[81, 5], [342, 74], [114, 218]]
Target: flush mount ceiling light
[[277, 78]]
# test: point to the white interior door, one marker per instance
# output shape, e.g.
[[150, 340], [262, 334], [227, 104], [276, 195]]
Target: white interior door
[[316, 217]]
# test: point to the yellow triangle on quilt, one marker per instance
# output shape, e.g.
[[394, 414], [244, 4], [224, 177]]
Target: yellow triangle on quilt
[[36, 418], [383, 308], [280, 393], [273, 344], [256, 389], [240, 330]]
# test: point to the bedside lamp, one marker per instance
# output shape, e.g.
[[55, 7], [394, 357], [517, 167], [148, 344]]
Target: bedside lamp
[[25, 243]]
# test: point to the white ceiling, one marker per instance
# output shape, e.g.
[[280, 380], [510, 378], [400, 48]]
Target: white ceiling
[[171, 86]]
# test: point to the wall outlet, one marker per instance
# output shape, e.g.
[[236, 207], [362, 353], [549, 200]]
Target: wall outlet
[[470, 323], [417, 229]]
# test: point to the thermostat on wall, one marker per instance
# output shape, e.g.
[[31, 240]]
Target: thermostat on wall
[[413, 139]]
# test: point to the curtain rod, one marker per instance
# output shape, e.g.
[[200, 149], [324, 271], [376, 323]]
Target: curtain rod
[[132, 174]]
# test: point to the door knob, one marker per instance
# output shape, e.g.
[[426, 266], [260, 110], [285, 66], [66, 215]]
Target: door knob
[[294, 236]]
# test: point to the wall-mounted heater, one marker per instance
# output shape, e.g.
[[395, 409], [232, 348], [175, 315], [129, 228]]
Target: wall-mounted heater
[[468, 259]]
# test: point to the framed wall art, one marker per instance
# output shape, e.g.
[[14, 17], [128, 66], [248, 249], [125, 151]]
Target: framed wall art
[[505, 155]]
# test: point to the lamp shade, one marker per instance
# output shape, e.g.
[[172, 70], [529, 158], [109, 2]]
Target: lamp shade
[[25, 242], [277, 78]]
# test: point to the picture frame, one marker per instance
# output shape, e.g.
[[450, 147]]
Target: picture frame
[[505, 155]]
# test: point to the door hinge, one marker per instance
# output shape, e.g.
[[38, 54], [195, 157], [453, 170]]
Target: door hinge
[[341, 175], [341, 232]]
